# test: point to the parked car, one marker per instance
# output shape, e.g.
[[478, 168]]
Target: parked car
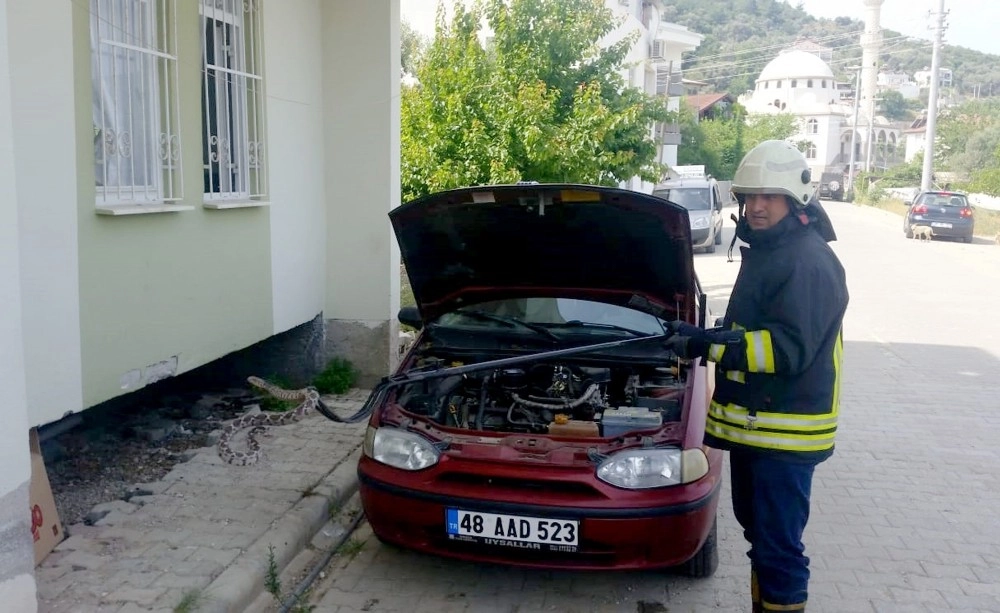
[[703, 200], [831, 186], [949, 214], [537, 419]]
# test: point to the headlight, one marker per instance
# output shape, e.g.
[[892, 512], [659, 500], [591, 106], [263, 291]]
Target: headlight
[[699, 222], [834, 186], [638, 469], [399, 448]]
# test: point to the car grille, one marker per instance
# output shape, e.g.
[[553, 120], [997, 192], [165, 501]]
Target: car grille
[[552, 488]]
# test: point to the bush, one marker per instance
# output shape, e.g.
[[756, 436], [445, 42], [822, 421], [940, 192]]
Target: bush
[[338, 377]]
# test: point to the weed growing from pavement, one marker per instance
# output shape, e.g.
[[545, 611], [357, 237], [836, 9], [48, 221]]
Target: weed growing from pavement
[[334, 510], [272, 583], [351, 547], [338, 377], [190, 602]]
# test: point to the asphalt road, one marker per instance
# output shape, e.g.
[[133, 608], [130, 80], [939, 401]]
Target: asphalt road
[[906, 515]]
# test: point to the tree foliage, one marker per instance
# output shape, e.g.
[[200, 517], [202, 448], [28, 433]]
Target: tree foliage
[[894, 106], [721, 142], [543, 101], [742, 36], [411, 45]]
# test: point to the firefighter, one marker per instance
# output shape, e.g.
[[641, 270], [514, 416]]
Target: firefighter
[[778, 366]]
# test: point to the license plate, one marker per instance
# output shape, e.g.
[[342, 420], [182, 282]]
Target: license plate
[[513, 530], [940, 224]]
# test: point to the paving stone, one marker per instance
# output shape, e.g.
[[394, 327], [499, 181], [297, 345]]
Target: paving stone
[[140, 596]]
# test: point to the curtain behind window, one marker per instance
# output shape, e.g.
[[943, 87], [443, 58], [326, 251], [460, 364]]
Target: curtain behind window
[[126, 113]]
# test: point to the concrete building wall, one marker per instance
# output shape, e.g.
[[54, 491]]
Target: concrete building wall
[[362, 181], [17, 581], [114, 302], [43, 106], [298, 190]]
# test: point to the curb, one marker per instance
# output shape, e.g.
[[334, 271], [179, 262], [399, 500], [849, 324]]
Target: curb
[[241, 583]]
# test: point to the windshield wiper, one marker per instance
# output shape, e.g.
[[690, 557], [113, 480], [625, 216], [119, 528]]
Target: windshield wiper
[[510, 321], [576, 323]]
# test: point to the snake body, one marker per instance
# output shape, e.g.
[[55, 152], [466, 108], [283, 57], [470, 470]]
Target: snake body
[[258, 422]]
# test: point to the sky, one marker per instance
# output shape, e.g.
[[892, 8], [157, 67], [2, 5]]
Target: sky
[[971, 23]]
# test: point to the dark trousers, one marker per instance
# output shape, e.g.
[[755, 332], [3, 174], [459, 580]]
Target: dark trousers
[[771, 502]]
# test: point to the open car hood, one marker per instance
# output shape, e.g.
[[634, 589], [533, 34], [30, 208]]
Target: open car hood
[[618, 246]]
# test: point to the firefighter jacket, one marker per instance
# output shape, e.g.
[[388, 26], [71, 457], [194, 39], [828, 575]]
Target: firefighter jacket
[[777, 387]]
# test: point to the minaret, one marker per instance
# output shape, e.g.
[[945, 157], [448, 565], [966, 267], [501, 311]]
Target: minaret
[[871, 45]]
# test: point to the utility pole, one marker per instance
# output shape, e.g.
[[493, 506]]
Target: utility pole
[[849, 188], [932, 100]]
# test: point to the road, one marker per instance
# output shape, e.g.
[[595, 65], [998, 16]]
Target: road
[[906, 515]]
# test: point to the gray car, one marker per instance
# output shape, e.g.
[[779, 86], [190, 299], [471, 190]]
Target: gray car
[[704, 201]]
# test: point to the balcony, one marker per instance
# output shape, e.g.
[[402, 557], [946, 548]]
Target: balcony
[[668, 81], [668, 133]]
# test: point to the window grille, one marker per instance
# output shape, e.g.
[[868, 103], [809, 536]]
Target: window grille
[[813, 126], [233, 152], [137, 143], [811, 151]]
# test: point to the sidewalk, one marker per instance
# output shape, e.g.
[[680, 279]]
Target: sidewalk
[[204, 531]]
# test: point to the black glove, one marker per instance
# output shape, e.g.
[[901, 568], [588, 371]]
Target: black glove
[[688, 341]]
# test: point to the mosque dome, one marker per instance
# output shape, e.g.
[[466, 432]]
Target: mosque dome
[[795, 64]]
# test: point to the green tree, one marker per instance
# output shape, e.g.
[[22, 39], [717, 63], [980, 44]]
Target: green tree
[[543, 102], [695, 147], [986, 180], [904, 175], [721, 142], [769, 127], [894, 106], [411, 45]]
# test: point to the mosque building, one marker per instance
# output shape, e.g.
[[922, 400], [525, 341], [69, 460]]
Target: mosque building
[[799, 82]]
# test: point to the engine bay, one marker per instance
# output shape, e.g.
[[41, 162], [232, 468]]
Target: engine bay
[[559, 398]]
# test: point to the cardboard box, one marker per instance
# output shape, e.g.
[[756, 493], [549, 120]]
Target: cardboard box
[[46, 531]]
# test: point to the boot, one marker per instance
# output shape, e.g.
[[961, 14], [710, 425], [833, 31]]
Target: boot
[[755, 606]]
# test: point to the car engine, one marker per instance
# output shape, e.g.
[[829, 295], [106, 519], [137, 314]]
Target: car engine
[[561, 399]]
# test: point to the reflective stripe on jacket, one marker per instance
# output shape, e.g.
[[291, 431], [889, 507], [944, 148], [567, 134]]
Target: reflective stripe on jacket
[[779, 387]]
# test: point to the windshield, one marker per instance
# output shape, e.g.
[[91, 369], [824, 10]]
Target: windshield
[[556, 314], [691, 198], [957, 200]]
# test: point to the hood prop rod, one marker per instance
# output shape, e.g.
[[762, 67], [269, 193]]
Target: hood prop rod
[[391, 382]]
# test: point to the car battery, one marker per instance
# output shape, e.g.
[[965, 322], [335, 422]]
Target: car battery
[[616, 422]]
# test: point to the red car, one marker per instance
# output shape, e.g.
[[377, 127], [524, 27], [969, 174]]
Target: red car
[[537, 419]]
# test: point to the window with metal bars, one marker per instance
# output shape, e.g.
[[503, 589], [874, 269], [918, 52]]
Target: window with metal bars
[[137, 143], [233, 101]]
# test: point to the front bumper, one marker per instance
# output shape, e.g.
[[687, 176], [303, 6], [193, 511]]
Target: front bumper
[[666, 530], [701, 237]]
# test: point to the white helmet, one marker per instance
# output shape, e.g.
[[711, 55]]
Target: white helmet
[[774, 167]]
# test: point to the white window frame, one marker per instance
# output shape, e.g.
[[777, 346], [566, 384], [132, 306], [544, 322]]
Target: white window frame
[[811, 151], [137, 146], [812, 125], [233, 114]]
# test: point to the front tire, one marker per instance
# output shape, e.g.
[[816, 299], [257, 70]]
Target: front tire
[[706, 561], [718, 237]]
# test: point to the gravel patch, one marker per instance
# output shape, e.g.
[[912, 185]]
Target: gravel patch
[[114, 450]]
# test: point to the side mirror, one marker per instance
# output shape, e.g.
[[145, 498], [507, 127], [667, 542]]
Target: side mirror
[[410, 316]]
